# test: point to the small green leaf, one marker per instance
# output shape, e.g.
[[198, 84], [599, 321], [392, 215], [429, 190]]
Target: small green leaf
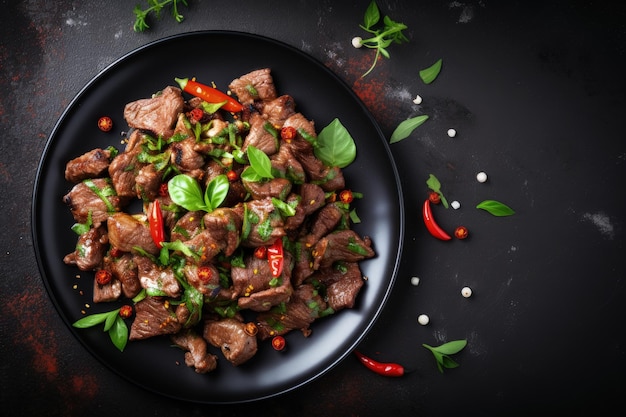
[[406, 127], [433, 183], [111, 319], [372, 15], [186, 192], [119, 333], [452, 347], [429, 74], [260, 162], [336, 146], [441, 353], [496, 208], [216, 192], [91, 320]]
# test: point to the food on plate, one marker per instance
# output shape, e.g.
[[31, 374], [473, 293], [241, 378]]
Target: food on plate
[[223, 228]]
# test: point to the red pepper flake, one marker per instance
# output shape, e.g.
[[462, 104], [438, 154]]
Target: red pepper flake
[[103, 277], [232, 175], [126, 311], [346, 196], [260, 252], [205, 273], [461, 232], [288, 133], [105, 123], [279, 343]]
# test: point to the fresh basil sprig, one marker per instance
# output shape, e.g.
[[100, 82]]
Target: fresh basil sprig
[[496, 208], [429, 74], [113, 324], [186, 192], [260, 166], [433, 183], [406, 127], [336, 146], [442, 353]]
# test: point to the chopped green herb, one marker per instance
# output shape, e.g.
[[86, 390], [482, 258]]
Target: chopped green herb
[[429, 74], [155, 6]]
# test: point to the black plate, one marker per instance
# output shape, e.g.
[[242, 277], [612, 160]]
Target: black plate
[[321, 96]]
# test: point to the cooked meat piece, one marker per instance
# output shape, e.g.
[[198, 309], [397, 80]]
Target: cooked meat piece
[[344, 245], [92, 164], [157, 279], [123, 171], [279, 109], [292, 223], [147, 182], [184, 155], [303, 266], [188, 226], [87, 197], [207, 282], [301, 145], [108, 292], [157, 114], [181, 127], [303, 308], [126, 232], [224, 225], [342, 284], [329, 178], [313, 197], [230, 336], [196, 355], [153, 317], [259, 136], [185, 317], [90, 250], [263, 224], [256, 85], [324, 221], [287, 164], [275, 187], [125, 270]]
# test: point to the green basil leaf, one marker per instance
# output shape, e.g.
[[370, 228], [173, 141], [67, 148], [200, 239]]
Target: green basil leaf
[[260, 162], [406, 127], [186, 192], [448, 362], [216, 191], [372, 15], [181, 247], [452, 347], [284, 208], [91, 320], [429, 74], [119, 333], [336, 146], [111, 319], [495, 208], [250, 175]]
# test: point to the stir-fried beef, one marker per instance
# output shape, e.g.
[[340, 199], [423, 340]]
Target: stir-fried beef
[[126, 233], [303, 308], [342, 284], [95, 196], [259, 136], [157, 279], [279, 109], [188, 226], [125, 270], [303, 267], [256, 85], [324, 221], [276, 187], [184, 155], [230, 336], [157, 114], [107, 292], [206, 279], [344, 245], [153, 317], [92, 164], [147, 183], [123, 171], [288, 166], [196, 355], [264, 222], [90, 250]]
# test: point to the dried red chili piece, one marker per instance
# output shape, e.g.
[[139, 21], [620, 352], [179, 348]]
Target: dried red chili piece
[[232, 175], [278, 343], [163, 191], [157, 230], [431, 224], [126, 311], [275, 257], [116, 252], [260, 252], [346, 196], [205, 274], [105, 123], [103, 277], [461, 232], [288, 133]]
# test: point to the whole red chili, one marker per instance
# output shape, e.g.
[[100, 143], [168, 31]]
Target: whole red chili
[[461, 232], [209, 94], [346, 196], [126, 311], [430, 223], [105, 123], [103, 277], [260, 252], [434, 197], [205, 274], [155, 219], [232, 175], [288, 133], [386, 369], [278, 343]]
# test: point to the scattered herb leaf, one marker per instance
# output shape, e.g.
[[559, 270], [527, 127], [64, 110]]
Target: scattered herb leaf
[[442, 353], [433, 183], [155, 6], [406, 127], [496, 208], [336, 146], [113, 324], [429, 74]]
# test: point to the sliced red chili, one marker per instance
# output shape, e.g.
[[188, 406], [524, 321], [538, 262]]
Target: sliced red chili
[[434, 197], [232, 175], [155, 219], [288, 133], [275, 257], [205, 274], [105, 123], [430, 223], [209, 94], [103, 277], [251, 329], [461, 232], [386, 369], [346, 196], [196, 114], [278, 343], [126, 311]]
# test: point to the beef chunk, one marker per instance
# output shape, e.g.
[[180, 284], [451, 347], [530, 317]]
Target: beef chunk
[[188, 226], [230, 336], [279, 110], [196, 355], [83, 199], [125, 270], [92, 164], [123, 171], [263, 224], [275, 187], [256, 85], [148, 182], [344, 245], [342, 284], [155, 278], [153, 317], [107, 292], [259, 136], [184, 155], [126, 232], [288, 166], [157, 114], [325, 221], [90, 250]]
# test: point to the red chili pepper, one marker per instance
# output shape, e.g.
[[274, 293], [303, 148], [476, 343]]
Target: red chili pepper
[[209, 94], [461, 232], [346, 196], [275, 257], [126, 311], [163, 191], [431, 225], [232, 175], [386, 369], [251, 329], [260, 252], [105, 123], [103, 277], [116, 252], [155, 219], [278, 343], [205, 274], [434, 197], [197, 114], [288, 133]]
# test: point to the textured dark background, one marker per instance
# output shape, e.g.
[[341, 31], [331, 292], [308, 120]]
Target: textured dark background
[[537, 95]]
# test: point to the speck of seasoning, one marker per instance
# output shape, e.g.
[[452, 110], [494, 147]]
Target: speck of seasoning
[[415, 281], [87, 306], [481, 176], [455, 205], [451, 133], [356, 42], [75, 286], [417, 99], [466, 292], [423, 319]]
